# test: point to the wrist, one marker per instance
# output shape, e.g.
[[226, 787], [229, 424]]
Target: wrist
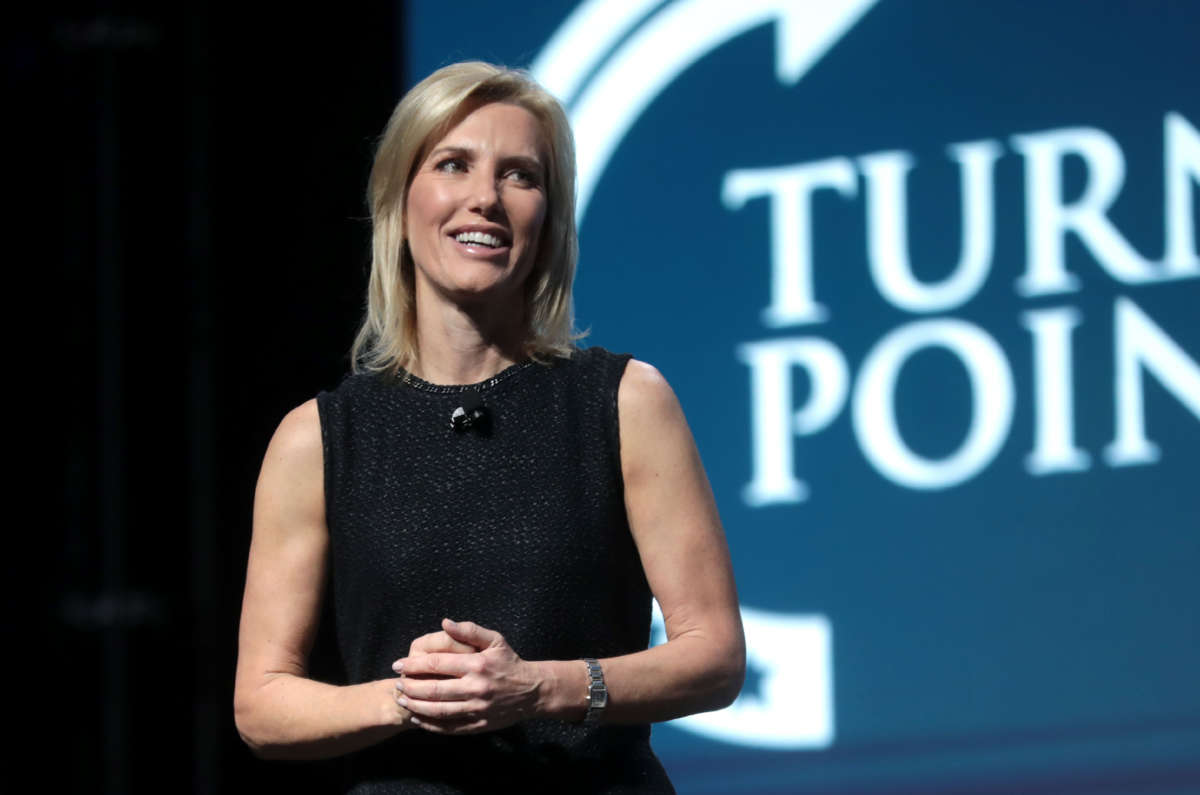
[[384, 695], [563, 692]]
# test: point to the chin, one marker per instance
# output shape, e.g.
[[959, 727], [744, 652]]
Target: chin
[[482, 292]]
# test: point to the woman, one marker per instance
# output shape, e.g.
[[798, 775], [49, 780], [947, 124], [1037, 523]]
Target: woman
[[478, 466]]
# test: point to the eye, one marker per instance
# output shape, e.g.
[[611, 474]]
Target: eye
[[525, 177], [451, 165]]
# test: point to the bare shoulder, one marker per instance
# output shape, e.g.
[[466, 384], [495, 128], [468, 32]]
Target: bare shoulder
[[299, 434], [291, 483], [655, 437], [645, 396]]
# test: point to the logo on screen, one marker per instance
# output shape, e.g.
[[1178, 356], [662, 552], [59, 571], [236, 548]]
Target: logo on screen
[[609, 61]]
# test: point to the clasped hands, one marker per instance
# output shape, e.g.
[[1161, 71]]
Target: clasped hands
[[466, 679]]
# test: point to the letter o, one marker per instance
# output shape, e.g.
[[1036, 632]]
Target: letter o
[[991, 397]]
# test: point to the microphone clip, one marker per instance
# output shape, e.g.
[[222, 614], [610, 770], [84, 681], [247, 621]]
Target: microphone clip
[[471, 414]]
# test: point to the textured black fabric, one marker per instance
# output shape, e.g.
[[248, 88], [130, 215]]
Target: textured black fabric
[[519, 526]]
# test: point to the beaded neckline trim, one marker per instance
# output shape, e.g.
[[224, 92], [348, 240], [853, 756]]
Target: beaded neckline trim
[[449, 389]]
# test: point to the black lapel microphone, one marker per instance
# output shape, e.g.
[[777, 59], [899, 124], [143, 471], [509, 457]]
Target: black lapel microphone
[[471, 414]]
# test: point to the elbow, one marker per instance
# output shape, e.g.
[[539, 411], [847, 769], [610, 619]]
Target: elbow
[[266, 732], [731, 678], [720, 669], [260, 746], [266, 751], [243, 719], [726, 675], [249, 727], [259, 749]]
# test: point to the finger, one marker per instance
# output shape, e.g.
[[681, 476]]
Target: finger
[[402, 705], [436, 726], [436, 689], [443, 710], [422, 644], [438, 664], [470, 632], [439, 642]]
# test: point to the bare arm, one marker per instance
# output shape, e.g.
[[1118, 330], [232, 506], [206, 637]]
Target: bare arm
[[281, 713], [682, 548]]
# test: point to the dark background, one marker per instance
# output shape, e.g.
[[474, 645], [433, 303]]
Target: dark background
[[191, 218]]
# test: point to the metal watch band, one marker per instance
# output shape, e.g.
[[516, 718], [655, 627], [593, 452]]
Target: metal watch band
[[597, 692]]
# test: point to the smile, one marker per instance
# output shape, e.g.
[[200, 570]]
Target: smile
[[479, 238]]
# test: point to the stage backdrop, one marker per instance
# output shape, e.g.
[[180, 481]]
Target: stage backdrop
[[925, 278]]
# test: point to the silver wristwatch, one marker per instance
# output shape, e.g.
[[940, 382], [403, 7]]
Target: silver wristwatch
[[597, 692]]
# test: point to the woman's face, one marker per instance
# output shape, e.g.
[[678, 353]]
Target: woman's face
[[475, 207]]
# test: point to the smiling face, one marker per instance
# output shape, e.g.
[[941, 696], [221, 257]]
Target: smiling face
[[475, 207]]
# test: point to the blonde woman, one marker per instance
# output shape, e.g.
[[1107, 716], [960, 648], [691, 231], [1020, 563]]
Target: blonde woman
[[479, 467]]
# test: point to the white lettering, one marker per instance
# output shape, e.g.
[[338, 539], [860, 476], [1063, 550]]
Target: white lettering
[[874, 403], [774, 420], [1048, 218], [790, 190], [1182, 163], [887, 229], [1141, 344], [1054, 404]]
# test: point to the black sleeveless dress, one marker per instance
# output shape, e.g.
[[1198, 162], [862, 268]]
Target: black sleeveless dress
[[519, 526]]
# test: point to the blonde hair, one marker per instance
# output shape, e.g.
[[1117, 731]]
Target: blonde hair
[[387, 339]]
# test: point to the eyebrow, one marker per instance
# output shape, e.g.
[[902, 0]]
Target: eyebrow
[[449, 150]]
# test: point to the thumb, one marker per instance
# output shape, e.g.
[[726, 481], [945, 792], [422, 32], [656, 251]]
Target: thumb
[[471, 633]]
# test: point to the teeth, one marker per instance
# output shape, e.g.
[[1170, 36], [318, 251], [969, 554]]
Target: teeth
[[482, 238]]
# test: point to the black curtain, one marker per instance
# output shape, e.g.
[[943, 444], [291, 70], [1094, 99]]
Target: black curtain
[[192, 258]]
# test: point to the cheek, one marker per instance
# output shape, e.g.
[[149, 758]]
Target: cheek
[[537, 225], [425, 206]]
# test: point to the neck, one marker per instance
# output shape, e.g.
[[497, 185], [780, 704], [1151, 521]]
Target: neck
[[465, 344]]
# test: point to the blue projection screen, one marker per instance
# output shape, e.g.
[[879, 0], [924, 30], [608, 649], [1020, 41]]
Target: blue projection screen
[[925, 277]]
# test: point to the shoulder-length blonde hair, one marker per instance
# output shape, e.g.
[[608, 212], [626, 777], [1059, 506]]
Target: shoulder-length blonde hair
[[387, 340]]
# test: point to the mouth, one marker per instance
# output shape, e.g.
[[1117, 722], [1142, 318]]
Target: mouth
[[481, 239]]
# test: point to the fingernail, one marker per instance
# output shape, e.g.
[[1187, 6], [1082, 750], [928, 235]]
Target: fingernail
[[398, 666], [416, 721], [402, 702], [400, 687]]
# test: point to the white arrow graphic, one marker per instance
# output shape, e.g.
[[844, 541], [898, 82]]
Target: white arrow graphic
[[791, 659], [582, 41], [667, 44]]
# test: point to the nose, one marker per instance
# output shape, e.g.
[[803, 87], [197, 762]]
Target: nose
[[485, 196]]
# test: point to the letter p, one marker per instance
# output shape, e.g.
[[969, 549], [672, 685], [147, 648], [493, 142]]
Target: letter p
[[775, 419]]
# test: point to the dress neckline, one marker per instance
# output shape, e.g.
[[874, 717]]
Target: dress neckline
[[447, 389]]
